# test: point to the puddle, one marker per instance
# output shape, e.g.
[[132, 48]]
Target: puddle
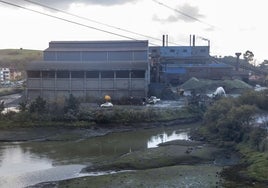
[[165, 137]]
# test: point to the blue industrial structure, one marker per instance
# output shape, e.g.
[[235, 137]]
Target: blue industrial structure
[[176, 64]]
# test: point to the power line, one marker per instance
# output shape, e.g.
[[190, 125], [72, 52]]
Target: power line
[[69, 21], [184, 14], [94, 21]]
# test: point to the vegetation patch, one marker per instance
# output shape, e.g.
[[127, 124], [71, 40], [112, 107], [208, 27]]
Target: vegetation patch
[[158, 157], [230, 122], [70, 113]]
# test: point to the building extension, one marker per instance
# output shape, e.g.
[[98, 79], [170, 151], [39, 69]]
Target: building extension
[[176, 64], [90, 70]]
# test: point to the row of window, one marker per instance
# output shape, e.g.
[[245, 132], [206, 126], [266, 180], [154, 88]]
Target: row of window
[[87, 74], [95, 56], [183, 50]]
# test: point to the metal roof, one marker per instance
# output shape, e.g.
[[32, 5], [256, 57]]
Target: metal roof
[[60, 65], [104, 49], [98, 45]]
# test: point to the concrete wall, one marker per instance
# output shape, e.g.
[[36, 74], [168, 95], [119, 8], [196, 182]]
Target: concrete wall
[[53, 88]]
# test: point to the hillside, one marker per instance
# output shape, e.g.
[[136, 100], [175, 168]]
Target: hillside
[[18, 58]]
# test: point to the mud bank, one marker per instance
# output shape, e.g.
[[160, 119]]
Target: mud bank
[[69, 133], [187, 165]]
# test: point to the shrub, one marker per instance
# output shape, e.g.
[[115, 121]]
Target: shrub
[[228, 120], [71, 104], [38, 105]]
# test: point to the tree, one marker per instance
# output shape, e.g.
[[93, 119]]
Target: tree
[[248, 56], [264, 64], [38, 105], [72, 104], [23, 106], [2, 106], [228, 120], [256, 137]]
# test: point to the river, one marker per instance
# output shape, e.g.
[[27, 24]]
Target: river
[[28, 163]]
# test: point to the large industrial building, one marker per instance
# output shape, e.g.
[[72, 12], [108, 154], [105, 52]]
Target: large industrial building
[[121, 69], [176, 64], [90, 70]]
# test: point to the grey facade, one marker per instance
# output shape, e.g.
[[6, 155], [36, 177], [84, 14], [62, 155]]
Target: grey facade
[[90, 70]]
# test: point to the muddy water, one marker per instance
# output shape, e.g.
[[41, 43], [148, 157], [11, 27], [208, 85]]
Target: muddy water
[[27, 163]]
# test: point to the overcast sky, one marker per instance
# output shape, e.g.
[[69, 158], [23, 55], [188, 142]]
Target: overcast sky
[[231, 26]]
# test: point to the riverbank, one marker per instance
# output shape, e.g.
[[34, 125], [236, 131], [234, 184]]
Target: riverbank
[[72, 132], [177, 158], [176, 164]]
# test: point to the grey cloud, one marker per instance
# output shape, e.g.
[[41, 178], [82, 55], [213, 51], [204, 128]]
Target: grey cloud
[[66, 3], [209, 29], [186, 13]]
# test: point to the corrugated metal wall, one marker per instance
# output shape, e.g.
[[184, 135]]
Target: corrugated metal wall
[[60, 81]]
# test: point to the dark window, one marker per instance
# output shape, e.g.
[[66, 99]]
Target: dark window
[[107, 74], [120, 56], [94, 56], [140, 55], [122, 74], [50, 56], [68, 56], [138, 74], [63, 74], [184, 50], [33, 74], [48, 74], [172, 50], [77, 74], [92, 74], [203, 50], [154, 50]]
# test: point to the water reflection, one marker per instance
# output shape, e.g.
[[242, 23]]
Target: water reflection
[[19, 168], [15, 160], [28, 163], [165, 137]]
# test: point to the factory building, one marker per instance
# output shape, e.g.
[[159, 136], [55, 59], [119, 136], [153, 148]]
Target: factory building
[[176, 64], [90, 70]]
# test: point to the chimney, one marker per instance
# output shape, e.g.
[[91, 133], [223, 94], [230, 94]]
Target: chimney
[[166, 40], [190, 40], [193, 40], [163, 40]]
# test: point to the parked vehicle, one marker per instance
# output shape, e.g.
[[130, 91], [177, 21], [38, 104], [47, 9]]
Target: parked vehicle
[[153, 100], [106, 104]]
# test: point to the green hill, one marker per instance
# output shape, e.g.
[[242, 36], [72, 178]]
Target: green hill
[[18, 58]]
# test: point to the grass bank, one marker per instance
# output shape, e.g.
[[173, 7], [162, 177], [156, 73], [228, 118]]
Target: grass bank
[[170, 176], [114, 117]]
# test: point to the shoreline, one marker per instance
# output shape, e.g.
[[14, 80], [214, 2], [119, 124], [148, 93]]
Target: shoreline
[[57, 132]]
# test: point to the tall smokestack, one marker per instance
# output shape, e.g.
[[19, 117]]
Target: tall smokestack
[[190, 40], [163, 41], [166, 40], [193, 40]]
